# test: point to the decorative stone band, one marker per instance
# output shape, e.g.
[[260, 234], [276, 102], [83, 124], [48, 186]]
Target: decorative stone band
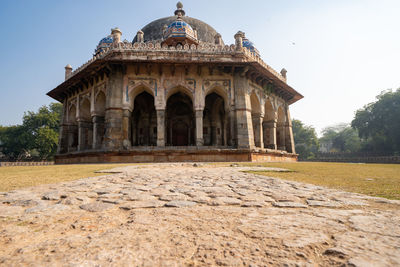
[[201, 48]]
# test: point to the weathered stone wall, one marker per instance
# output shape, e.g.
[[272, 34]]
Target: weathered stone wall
[[241, 120], [176, 155]]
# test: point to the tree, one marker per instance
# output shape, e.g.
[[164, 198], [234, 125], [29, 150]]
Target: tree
[[38, 134], [13, 141], [340, 138], [305, 139], [378, 122]]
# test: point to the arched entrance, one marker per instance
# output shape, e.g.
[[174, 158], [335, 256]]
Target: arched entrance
[[215, 121], [269, 126], [180, 123], [144, 121], [85, 125]]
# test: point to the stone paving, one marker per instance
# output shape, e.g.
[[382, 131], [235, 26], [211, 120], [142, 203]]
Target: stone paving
[[195, 215]]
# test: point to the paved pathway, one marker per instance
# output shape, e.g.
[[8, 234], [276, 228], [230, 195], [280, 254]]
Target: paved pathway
[[195, 214]]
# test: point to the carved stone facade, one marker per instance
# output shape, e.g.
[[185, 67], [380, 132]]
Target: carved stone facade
[[180, 97]]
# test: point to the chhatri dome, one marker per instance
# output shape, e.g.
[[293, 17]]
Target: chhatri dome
[[155, 30], [177, 92]]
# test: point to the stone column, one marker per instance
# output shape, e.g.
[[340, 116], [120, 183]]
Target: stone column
[[81, 135], [161, 127], [269, 128], [260, 123], [244, 128], [72, 137], [125, 128], [63, 133], [281, 129], [225, 129], [289, 140], [114, 136], [98, 131], [258, 131], [232, 127], [199, 127]]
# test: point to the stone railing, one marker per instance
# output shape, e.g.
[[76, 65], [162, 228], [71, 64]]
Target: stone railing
[[356, 157], [26, 163], [201, 48]]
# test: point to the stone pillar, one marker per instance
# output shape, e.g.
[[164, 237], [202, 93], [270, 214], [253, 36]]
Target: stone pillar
[[72, 137], [125, 128], [225, 130], [269, 128], [161, 127], [199, 127], [96, 132], [244, 128], [289, 140], [258, 130], [213, 134], [63, 133], [83, 128], [63, 139], [281, 128], [232, 127], [114, 136], [81, 136]]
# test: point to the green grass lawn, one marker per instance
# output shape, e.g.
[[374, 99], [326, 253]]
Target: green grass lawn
[[24, 176], [382, 180]]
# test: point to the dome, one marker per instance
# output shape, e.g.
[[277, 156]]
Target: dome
[[249, 45], [179, 31], [104, 43], [194, 29], [154, 30]]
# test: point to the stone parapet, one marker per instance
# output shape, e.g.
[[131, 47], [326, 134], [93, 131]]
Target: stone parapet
[[145, 49], [177, 154]]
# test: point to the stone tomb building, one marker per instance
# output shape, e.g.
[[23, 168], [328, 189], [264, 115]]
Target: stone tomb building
[[177, 92]]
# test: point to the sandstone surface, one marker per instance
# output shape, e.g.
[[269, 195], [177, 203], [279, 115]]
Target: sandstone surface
[[185, 215]]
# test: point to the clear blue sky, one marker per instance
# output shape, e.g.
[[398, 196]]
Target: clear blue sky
[[339, 54]]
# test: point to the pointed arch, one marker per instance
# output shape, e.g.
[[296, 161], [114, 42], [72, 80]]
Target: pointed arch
[[215, 120], [135, 91], [180, 120], [143, 122], [100, 104], [219, 90], [72, 113], [179, 88]]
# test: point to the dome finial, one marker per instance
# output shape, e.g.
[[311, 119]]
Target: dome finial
[[179, 11]]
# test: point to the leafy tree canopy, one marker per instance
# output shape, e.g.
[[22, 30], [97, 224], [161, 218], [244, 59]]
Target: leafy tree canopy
[[37, 136], [305, 139], [340, 138], [378, 123]]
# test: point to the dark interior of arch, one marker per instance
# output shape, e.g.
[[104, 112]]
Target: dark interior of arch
[[144, 121], [180, 122], [214, 121]]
